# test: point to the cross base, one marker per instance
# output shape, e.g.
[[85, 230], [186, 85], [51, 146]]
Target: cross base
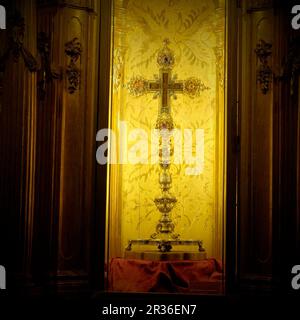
[[165, 245], [164, 253]]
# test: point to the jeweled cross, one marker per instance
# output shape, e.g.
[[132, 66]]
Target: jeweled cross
[[165, 85]]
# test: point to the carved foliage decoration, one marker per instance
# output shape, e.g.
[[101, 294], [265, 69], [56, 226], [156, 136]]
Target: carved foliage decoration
[[46, 74], [264, 72], [15, 48], [73, 50], [16, 44]]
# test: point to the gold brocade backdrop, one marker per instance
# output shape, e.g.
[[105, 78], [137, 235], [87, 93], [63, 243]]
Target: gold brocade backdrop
[[196, 30]]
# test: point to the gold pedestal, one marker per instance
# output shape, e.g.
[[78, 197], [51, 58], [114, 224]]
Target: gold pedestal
[[155, 255]]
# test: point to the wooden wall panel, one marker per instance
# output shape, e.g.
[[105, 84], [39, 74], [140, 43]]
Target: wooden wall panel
[[288, 219], [17, 141], [77, 157], [49, 112], [256, 98], [66, 157]]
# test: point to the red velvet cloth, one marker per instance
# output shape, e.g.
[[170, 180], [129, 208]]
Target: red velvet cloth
[[130, 275]]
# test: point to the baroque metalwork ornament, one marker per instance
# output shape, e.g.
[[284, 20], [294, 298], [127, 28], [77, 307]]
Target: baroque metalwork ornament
[[165, 57], [264, 72], [137, 86], [73, 50], [165, 86], [45, 74], [193, 87]]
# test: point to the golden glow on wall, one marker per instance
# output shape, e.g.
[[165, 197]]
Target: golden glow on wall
[[196, 33]]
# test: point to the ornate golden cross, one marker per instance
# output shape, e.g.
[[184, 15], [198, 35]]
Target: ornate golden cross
[[165, 85]]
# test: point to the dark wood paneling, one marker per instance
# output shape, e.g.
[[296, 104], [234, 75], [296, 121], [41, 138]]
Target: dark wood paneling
[[288, 253], [256, 157], [66, 150], [49, 123], [17, 140]]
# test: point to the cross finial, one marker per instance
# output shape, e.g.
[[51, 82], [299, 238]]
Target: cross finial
[[165, 56]]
